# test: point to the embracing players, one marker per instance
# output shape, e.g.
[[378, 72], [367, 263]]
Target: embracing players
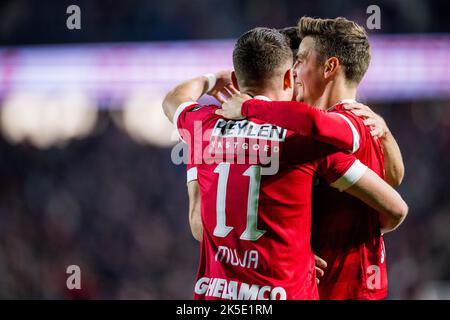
[[256, 220], [333, 57]]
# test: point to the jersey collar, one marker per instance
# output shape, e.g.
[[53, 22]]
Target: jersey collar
[[341, 102], [262, 98]]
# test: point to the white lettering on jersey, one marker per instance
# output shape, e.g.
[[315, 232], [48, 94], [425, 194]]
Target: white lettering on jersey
[[221, 288], [248, 129], [231, 256]]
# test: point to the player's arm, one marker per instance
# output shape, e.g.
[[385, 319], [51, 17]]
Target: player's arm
[[195, 219], [191, 90], [180, 97], [299, 117], [364, 184], [376, 193], [393, 161]]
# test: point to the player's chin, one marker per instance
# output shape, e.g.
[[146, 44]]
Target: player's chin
[[299, 97], [298, 93]]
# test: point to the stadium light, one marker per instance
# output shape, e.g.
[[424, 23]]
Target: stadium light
[[47, 119], [145, 121]]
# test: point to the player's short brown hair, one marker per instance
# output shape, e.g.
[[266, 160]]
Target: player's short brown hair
[[340, 38], [258, 55]]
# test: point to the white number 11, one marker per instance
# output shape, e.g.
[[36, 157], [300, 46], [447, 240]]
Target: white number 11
[[251, 232]]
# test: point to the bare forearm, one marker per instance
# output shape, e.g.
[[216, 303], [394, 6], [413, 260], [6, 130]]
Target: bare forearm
[[376, 193], [195, 219], [393, 161], [190, 90]]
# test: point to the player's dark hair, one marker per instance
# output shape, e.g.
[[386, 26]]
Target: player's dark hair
[[259, 55], [294, 38], [340, 38]]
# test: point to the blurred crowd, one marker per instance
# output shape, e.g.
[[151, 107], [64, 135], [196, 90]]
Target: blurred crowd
[[118, 210], [30, 21], [115, 208]]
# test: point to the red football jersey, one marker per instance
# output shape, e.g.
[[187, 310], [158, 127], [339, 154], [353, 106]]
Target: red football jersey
[[257, 224], [346, 232]]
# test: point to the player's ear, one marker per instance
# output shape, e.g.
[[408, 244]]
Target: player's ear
[[288, 80], [234, 80], [331, 67]]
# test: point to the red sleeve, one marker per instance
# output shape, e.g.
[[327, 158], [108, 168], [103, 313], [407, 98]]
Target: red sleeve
[[182, 123], [341, 170], [305, 120], [190, 116], [192, 123]]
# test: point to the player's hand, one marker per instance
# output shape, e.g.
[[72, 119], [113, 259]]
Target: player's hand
[[378, 127], [223, 88], [320, 265], [231, 109]]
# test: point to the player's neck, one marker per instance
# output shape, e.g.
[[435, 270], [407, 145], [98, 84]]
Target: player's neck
[[272, 94], [334, 93]]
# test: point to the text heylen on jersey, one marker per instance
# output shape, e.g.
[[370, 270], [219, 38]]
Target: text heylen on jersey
[[240, 142]]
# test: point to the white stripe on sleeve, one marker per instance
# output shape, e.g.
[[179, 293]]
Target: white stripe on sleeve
[[179, 110], [353, 174], [354, 131], [191, 174]]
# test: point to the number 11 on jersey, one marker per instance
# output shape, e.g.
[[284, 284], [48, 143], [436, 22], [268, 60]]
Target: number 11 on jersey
[[251, 233]]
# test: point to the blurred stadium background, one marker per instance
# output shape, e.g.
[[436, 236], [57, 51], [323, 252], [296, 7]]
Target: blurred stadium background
[[85, 171]]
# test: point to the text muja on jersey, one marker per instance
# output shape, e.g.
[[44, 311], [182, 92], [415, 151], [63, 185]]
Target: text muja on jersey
[[248, 129]]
